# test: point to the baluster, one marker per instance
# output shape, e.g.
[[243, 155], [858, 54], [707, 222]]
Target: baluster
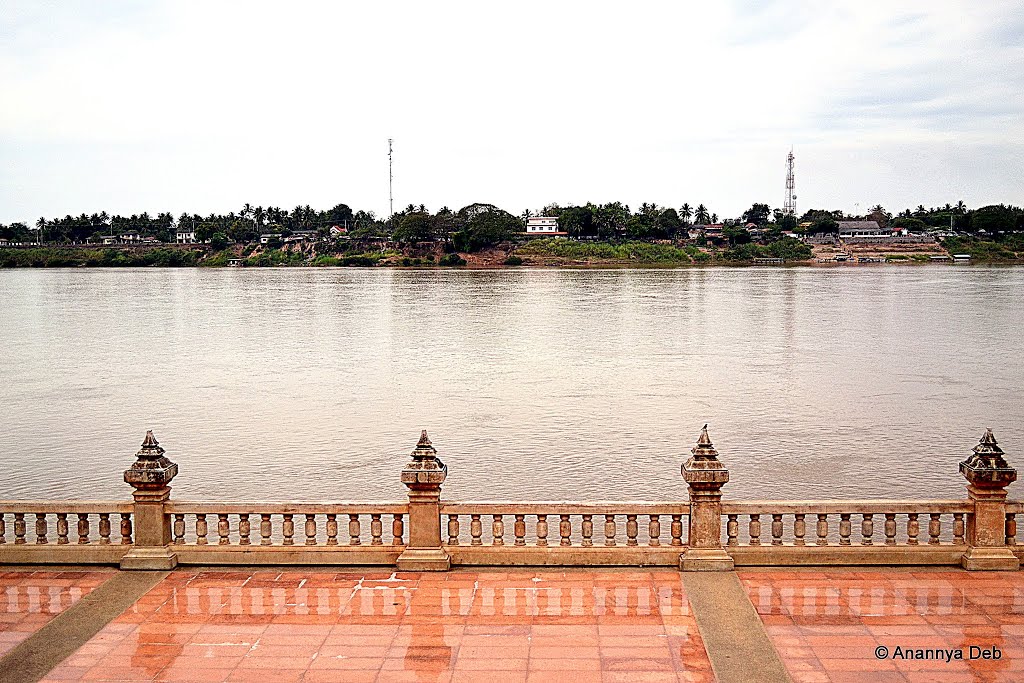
[[310, 529], [453, 529], [41, 528], [1011, 528], [934, 528], [587, 530], [288, 529], [244, 529], [223, 529], [476, 530], [83, 528], [332, 528], [519, 530], [654, 530], [913, 528], [397, 530], [354, 530], [3, 528], [202, 529], [799, 529], [497, 530], [609, 530], [822, 529], [377, 530], [845, 529], [266, 530], [755, 529], [890, 528], [776, 529], [958, 528], [542, 529], [732, 530], [104, 528], [62, 528], [867, 529], [126, 528], [677, 530], [564, 530], [179, 529], [631, 530], [19, 528]]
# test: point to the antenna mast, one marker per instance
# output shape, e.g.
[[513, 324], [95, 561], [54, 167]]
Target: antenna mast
[[391, 178], [790, 205]]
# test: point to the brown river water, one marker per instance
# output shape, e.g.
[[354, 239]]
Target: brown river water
[[313, 384]]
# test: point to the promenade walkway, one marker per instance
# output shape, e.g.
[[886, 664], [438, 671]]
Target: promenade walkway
[[527, 625]]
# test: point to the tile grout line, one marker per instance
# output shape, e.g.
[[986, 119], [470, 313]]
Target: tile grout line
[[734, 636], [55, 641]]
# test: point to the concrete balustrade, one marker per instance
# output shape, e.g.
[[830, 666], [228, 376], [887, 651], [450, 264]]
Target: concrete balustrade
[[425, 533]]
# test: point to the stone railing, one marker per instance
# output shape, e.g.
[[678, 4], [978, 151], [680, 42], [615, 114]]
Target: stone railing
[[72, 532], [846, 532], [426, 534], [492, 533]]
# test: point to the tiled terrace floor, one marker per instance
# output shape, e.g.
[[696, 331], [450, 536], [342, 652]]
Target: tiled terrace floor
[[827, 625], [544, 625], [271, 626], [30, 599]]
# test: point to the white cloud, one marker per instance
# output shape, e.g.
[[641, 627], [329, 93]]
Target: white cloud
[[203, 106]]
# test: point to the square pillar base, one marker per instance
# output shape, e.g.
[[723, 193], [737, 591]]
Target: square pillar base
[[989, 559], [706, 560], [424, 560], [158, 558]]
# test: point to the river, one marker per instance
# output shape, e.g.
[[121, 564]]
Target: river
[[534, 384]]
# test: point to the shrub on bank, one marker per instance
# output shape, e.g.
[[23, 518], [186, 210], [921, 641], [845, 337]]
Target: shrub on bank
[[982, 250], [451, 260], [642, 252], [44, 257], [513, 261]]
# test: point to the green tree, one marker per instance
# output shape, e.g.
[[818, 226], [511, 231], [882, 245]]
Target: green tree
[[578, 221], [701, 215], [757, 214], [669, 223], [414, 227], [685, 213]]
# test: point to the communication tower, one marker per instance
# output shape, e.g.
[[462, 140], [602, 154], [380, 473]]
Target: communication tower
[[391, 179], [790, 206]]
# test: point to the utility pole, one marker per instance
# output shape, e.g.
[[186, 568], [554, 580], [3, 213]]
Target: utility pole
[[391, 179]]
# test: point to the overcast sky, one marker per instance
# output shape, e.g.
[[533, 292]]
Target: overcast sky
[[173, 106]]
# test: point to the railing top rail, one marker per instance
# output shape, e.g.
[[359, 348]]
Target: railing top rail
[[564, 508], [270, 508], [68, 506], [1015, 506], [767, 507]]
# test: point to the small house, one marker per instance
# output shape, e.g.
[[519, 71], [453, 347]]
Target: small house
[[130, 237], [185, 236], [543, 226], [862, 229]]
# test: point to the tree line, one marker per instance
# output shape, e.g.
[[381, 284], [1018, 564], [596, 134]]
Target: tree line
[[480, 225]]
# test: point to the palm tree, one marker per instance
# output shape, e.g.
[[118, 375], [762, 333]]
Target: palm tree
[[961, 207], [701, 217], [714, 218], [40, 226], [685, 211]]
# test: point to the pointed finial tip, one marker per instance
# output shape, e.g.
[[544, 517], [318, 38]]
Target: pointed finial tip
[[150, 440], [424, 440]]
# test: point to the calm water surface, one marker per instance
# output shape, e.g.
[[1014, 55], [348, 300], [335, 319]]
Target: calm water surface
[[313, 384]]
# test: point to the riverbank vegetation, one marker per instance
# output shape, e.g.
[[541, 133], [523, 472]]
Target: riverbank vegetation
[[485, 235]]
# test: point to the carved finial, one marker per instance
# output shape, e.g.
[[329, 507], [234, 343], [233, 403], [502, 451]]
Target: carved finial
[[424, 441], [425, 468], [151, 469], [704, 450], [986, 467]]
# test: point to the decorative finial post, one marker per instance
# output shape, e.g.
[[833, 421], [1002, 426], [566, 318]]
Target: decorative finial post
[[705, 475], [988, 474], [424, 475], [150, 475]]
